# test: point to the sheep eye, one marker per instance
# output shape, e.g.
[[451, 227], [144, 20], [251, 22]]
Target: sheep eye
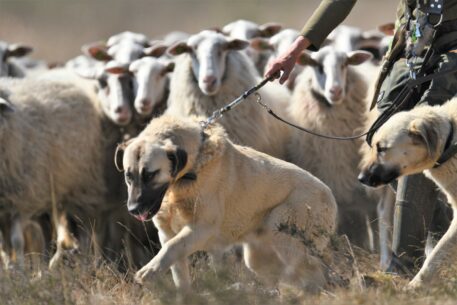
[[148, 176], [102, 82]]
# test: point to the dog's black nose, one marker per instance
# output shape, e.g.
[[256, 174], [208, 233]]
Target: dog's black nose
[[367, 178]]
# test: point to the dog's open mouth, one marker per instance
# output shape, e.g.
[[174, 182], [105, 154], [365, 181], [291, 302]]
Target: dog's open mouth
[[151, 204]]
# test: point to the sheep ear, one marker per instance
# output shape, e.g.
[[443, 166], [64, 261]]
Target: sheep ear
[[420, 129], [179, 48], [178, 159], [269, 29], [237, 44], [388, 28], [169, 68], [117, 68], [5, 106], [305, 60], [261, 44], [97, 51], [156, 50], [119, 155], [358, 57], [16, 50]]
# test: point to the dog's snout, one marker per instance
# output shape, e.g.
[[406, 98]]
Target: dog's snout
[[364, 178], [377, 175]]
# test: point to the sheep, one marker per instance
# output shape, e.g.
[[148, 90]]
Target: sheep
[[210, 73], [247, 30], [330, 98], [348, 38], [51, 140], [112, 83], [8, 54], [151, 76], [275, 45], [110, 212]]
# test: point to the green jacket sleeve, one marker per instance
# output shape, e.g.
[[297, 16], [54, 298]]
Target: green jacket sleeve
[[327, 17]]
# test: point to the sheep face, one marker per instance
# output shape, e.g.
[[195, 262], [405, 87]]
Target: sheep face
[[243, 29], [208, 51], [329, 68], [115, 82], [151, 77], [115, 92], [8, 51]]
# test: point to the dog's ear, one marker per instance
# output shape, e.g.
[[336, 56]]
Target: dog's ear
[[119, 155], [178, 158], [425, 132]]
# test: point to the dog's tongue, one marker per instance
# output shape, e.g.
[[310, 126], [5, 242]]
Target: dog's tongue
[[143, 217]]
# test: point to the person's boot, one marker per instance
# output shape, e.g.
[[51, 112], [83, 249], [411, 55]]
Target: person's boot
[[414, 209]]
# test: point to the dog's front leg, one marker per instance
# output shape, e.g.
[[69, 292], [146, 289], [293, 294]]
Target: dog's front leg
[[190, 239], [443, 253]]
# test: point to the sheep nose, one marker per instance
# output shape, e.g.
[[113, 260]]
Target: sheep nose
[[336, 91], [209, 80], [120, 109]]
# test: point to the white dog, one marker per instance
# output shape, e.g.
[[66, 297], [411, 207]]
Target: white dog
[[411, 142], [206, 193]]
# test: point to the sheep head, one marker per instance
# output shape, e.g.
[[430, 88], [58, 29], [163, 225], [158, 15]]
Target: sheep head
[[208, 50]]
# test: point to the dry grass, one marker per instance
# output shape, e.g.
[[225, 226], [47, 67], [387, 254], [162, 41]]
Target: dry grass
[[81, 282]]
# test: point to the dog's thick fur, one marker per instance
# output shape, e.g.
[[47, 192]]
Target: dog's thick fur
[[216, 193], [412, 142]]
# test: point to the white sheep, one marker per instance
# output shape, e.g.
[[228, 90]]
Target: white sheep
[[272, 47], [51, 140], [247, 30], [210, 73], [330, 98], [152, 84]]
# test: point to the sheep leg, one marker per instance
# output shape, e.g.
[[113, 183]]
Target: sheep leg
[[17, 240], [65, 240]]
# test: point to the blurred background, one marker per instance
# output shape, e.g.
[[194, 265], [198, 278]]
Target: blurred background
[[58, 28]]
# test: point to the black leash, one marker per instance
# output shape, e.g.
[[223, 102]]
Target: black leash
[[404, 94]]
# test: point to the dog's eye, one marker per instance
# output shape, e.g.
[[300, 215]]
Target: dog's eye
[[380, 149], [129, 177], [148, 176]]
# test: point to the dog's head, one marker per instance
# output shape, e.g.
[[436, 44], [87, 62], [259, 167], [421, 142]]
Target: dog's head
[[408, 143], [149, 169]]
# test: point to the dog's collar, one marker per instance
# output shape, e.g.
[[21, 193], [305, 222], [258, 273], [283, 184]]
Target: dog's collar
[[450, 148]]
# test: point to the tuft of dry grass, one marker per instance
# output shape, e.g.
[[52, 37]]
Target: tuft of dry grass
[[80, 281]]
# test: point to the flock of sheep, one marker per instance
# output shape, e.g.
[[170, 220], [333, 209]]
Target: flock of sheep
[[59, 129]]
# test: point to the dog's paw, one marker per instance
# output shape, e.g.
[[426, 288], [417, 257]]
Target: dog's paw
[[145, 274], [415, 283]]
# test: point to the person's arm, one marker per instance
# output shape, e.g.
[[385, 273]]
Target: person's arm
[[327, 16]]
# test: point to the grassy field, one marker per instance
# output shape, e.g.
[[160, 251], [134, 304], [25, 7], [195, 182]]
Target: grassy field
[[353, 278]]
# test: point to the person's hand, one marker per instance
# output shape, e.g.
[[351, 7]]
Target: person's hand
[[286, 61]]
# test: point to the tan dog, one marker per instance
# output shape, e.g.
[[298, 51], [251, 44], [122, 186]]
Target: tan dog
[[206, 193], [412, 142]]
